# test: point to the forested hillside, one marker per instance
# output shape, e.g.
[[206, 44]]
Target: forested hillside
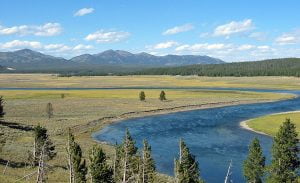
[[273, 67]]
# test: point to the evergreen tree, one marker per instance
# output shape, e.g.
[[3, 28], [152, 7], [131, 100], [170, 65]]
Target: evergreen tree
[[41, 140], [2, 113], [148, 165], [127, 160], [49, 110], [142, 96], [285, 159], [162, 96], [79, 165], [255, 163], [186, 167], [76, 163], [99, 170]]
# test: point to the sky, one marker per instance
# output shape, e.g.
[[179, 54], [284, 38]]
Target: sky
[[232, 30]]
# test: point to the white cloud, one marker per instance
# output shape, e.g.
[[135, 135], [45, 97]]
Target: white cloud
[[16, 44], [165, 45], [178, 29], [288, 38], [234, 27], [84, 11], [82, 47], [245, 47], [202, 46], [56, 49], [48, 29], [103, 36]]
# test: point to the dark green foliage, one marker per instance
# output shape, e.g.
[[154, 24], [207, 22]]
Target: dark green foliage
[[62, 95], [142, 96], [99, 170], [2, 113], [41, 139], [79, 164], [254, 165], [186, 167], [162, 96], [49, 110], [127, 160], [285, 160], [147, 164], [274, 67]]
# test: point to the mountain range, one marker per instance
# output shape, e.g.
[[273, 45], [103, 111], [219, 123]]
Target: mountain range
[[29, 59]]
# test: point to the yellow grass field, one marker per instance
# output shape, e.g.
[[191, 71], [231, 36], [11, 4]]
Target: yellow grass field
[[48, 80]]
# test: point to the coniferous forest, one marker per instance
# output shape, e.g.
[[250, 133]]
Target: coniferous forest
[[274, 67]]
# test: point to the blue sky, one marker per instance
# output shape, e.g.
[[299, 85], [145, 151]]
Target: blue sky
[[232, 30]]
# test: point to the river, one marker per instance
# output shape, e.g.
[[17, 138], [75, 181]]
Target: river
[[213, 135]]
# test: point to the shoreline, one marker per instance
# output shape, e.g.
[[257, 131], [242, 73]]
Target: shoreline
[[243, 124]]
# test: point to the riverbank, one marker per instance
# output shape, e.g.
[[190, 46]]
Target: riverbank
[[131, 115], [276, 119]]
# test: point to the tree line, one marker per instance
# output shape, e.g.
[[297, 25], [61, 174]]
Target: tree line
[[274, 67]]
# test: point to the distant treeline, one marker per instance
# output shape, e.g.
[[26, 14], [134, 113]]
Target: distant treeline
[[273, 67]]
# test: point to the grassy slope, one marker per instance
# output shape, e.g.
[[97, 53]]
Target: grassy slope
[[270, 124], [47, 80]]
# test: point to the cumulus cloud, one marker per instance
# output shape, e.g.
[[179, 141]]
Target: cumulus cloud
[[165, 45], [45, 48], [48, 29], [84, 11], [245, 47], [103, 36], [16, 44], [178, 29], [202, 46], [288, 38], [234, 27]]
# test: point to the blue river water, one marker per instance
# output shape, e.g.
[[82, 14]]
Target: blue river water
[[213, 135]]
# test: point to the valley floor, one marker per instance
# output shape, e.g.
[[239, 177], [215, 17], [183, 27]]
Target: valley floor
[[87, 111]]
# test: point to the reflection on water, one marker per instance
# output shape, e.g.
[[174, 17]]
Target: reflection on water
[[213, 135]]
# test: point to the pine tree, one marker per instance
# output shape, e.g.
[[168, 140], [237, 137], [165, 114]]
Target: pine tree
[[127, 160], [76, 164], [147, 164], [162, 96], [285, 160], [99, 170], [186, 167], [142, 96], [42, 141], [49, 110], [255, 163], [2, 113], [79, 164]]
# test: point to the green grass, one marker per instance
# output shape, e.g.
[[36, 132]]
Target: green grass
[[270, 124]]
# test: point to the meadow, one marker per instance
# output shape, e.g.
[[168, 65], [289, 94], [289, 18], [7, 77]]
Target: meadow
[[78, 108], [48, 81], [270, 124]]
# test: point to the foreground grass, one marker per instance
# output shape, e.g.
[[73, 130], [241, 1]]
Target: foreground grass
[[47, 80], [78, 108], [270, 124]]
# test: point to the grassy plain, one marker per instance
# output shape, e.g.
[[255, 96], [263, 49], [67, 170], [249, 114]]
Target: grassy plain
[[48, 80], [270, 124], [80, 107]]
